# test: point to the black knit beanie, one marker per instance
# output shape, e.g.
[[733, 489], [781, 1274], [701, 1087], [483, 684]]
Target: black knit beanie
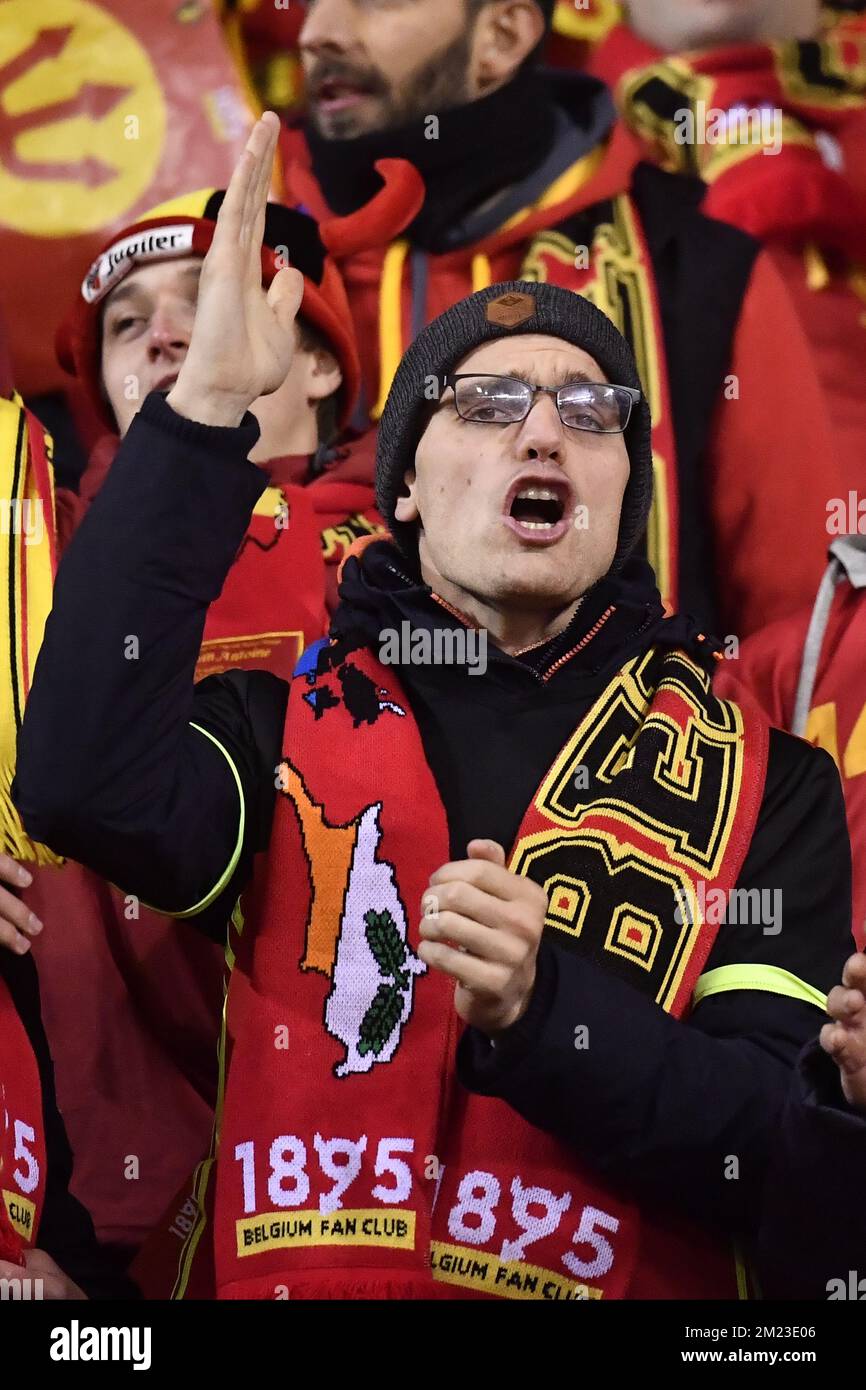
[[500, 312]]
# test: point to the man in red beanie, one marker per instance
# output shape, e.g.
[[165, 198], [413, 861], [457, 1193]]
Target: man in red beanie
[[138, 1130]]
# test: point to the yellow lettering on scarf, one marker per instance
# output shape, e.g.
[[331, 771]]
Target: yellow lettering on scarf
[[460, 1264], [22, 1214], [382, 1226]]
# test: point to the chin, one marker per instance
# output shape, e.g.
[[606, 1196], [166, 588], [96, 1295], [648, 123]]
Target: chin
[[544, 592]]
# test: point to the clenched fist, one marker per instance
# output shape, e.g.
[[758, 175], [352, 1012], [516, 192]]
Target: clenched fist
[[482, 926], [243, 338]]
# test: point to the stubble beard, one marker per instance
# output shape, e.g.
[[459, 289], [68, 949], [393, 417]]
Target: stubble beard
[[438, 85]]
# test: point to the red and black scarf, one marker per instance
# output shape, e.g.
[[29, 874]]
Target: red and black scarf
[[350, 1162], [813, 95], [282, 585]]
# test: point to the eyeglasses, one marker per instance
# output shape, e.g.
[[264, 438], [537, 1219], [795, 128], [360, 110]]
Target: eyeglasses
[[506, 400]]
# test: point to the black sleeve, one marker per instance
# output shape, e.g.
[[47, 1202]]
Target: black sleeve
[[799, 861], [65, 1231], [813, 1225], [663, 1106], [111, 770]]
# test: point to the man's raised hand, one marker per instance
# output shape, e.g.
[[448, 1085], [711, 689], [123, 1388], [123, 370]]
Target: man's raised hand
[[243, 339]]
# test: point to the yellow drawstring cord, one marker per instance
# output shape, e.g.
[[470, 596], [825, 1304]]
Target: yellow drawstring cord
[[390, 320], [817, 272], [482, 275]]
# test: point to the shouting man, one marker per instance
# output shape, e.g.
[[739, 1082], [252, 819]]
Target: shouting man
[[512, 1012]]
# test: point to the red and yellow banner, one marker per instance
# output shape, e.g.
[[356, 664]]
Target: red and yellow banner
[[106, 109]]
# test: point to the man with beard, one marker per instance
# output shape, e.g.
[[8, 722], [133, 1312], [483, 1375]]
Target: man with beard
[[527, 178], [564, 824], [764, 101]]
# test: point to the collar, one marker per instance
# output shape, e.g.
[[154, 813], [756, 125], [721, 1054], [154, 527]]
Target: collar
[[619, 616], [483, 148]]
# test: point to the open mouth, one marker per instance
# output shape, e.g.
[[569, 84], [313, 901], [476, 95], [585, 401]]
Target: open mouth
[[538, 511], [334, 94]]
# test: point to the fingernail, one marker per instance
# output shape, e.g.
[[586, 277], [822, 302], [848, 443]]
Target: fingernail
[[22, 945], [25, 878], [34, 924]]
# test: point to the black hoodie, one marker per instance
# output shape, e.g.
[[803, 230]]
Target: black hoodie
[[111, 772]]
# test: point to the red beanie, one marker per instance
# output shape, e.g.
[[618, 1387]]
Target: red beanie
[[185, 227]]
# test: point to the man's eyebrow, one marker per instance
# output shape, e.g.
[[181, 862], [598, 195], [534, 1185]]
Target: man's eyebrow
[[565, 377], [120, 295], [128, 289]]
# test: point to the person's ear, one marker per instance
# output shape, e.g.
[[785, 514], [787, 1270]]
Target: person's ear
[[324, 375], [406, 506], [505, 34]]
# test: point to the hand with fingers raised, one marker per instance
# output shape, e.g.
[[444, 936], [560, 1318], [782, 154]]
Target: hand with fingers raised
[[845, 1037], [243, 337], [18, 925]]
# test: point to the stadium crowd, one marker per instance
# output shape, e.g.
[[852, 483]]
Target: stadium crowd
[[434, 823]]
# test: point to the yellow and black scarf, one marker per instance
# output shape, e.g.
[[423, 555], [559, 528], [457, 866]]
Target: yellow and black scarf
[[27, 565]]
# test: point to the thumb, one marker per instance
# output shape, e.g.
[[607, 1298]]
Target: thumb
[[285, 293], [486, 849]]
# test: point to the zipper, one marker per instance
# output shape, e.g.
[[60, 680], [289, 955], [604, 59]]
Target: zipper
[[584, 642], [560, 662]]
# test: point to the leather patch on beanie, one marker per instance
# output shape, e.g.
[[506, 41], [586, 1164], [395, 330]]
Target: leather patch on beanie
[[510, 310]]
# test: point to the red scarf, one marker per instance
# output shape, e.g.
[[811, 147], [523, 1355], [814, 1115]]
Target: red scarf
[[282, 586], [794, 195], [22, 1136], [350, 1162]]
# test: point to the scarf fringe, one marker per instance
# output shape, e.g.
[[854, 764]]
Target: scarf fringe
[[340, 1287]]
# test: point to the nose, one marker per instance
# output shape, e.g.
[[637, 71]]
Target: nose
[[168, 334], [542, 437], [327, 28]]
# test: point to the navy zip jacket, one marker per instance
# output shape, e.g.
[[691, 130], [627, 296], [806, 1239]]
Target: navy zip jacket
[[112, 772]]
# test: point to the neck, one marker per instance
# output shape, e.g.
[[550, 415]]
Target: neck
[[284, 433], [513, 629]]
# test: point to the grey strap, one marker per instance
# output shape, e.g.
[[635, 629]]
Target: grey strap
[[813, 644]]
